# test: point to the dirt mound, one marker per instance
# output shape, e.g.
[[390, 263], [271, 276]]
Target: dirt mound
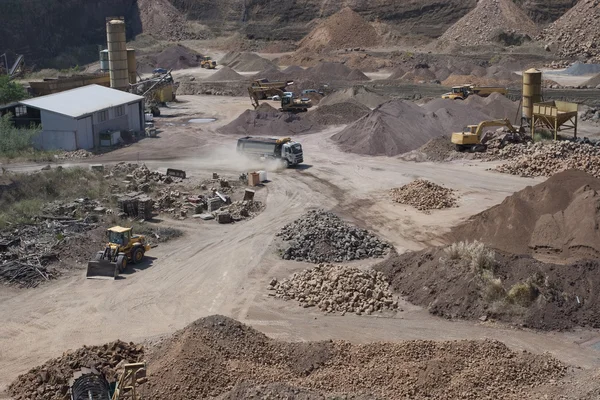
[[359, 94], [576, 33], [469, 281], [491, 22], [172, 57], [338, 113], [273, 74], [162, 20], [424, 195], [246, 62], [453, 115], [225, 74], [327, 70], [320, 236], [293, 69], [357, 75], [416, 75], [267, 121], [224, 352], [397, 73], [559, 217], [496, 106], [50, 381], [342, 30], [593, 82]]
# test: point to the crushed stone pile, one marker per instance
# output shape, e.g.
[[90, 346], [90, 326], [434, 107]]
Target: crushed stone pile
[[495, 105], [342, 30], [548, 158], [50, 381], [226, 354], [162, 20], [327, 70], [424, 195], [273, 74], [516, 289], [337, 289], [224, 73], [240, 210], [558, 217], [246, 62], [357, 75], [593, 81], [70, 155], [359, 94], [491, 22], [338, 113], [320, 236], [576, 33], [267, 121], [175, 57], [579, 69], [591, 114]]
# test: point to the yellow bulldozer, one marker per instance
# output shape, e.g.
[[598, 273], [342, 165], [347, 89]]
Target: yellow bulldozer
[[208, 63], [473, 138], [122, 248]]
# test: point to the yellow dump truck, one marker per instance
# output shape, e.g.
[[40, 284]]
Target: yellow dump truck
[[264, 89], [464, 91]]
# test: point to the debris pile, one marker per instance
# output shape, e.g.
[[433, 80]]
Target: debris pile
[[139, 177], [71, 155], [320, 236], [240, 210], [424, 195], [50, 381], [333, 288], [549, 158]]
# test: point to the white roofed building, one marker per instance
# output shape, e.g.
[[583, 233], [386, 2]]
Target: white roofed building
[[74, 119]]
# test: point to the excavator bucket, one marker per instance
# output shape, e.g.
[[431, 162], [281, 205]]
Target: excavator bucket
[[102, 269]]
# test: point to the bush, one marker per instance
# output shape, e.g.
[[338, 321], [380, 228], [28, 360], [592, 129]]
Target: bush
[[15, 141], [476, 254], [11, 91], [523, 294]]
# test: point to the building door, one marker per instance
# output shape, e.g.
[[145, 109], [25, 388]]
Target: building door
[[133, 114], [85, 133]]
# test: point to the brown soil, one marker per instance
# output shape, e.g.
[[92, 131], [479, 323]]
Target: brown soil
[[225, 74], [358, 94], [172, 57], [245, 62], [559, 217], [552, 297], [267, 121], [338, 113], [216, 355], [162, 20]]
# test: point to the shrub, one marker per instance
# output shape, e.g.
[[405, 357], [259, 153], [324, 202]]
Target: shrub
[[522, 293], [15, 141], [475, 253]]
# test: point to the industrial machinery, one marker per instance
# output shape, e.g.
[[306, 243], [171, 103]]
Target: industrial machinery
[[284, 149], [263, 89], [89, 384], [208, 63], [132, 376], [288, 102], [122, 247], [473, 140], [464, 91]]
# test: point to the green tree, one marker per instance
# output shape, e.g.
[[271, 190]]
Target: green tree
[[11, 91]]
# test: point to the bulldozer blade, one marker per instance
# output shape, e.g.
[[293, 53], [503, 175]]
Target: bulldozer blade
[[102, 269]]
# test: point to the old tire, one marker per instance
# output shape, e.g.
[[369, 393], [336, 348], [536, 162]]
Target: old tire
[[122, 262], [138, 255]]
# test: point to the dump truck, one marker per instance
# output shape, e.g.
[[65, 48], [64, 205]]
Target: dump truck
[[208, 63], [463, 91], [123, 247], [284, 149], [472, 138], [289, 103], [263, 89]]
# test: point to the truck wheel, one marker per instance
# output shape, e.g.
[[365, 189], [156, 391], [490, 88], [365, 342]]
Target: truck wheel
[[138, 255], [122, 262]]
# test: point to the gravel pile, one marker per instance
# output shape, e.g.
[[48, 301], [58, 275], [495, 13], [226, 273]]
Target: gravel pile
[[50, 381], [240, 210], [225, 74], [320, 236], [246, 62], [333, 288], [70, 155], [424, 195], [338, 113], [549, 158]]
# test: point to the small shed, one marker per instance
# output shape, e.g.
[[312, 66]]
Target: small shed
[[74, 119]]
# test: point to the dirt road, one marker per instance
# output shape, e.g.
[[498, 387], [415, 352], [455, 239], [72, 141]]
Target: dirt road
[[225, 268]]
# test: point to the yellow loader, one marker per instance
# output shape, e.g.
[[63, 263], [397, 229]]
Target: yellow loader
[[122, 248], [208, 63]]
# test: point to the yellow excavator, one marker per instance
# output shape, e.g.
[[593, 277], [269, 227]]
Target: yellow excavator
[[472, 139], [122, 248], [288, 102]]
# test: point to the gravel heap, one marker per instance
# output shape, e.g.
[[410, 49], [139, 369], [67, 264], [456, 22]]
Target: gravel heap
[[549, 158], [424, 195], [240, 210], [50, 381], [70, 155], [576, 33], [320, 236], [333, 288], [338, 113]]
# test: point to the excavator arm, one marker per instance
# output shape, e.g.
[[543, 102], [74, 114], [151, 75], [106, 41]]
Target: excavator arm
[[496, 122]]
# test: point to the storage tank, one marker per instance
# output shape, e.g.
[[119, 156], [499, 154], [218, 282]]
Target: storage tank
[[104, 60], [532, 91], [131, 66], [117, 53]]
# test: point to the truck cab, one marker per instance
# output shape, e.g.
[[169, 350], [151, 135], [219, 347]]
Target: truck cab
[[457, 93], [284, 149]]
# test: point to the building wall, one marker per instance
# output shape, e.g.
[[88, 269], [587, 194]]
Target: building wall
[[58, 132]]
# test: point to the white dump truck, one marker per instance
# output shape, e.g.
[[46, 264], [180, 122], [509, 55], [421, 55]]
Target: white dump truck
[[284, 149]]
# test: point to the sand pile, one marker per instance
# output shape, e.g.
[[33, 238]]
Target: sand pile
[[560, 217], [357, 75], [416, 75], [424, 195], [452, 115], [246, 62], [593, 82], [225, 74], [173, 56], [342, 30], [467, 280], [267, 121], [338, 113], [576, 33], [495, 105], [209, 357], [491, 22], [358, 94]]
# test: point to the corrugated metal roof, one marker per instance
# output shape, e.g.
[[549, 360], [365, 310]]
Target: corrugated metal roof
[[82, 101]]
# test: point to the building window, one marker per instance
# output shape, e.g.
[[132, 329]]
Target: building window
[[20, 111], [102, 115], [119, 111]]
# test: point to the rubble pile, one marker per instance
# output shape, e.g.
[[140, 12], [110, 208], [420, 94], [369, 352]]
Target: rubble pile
[[320, 236], [73, 209], [549, 158], [591, 114], [424, 195], [139, 177], [333, 288], [240, 210], [71, 155], [50, 381]]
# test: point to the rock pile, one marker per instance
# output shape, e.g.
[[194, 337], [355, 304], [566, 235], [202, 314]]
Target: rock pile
[[50, 380], [240, 210], [424, 195], [320, 236], [333, 288], [71, 155], [591, 114], [545, 159]]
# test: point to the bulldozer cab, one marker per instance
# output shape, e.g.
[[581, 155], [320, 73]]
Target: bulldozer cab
[[119, 236]]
